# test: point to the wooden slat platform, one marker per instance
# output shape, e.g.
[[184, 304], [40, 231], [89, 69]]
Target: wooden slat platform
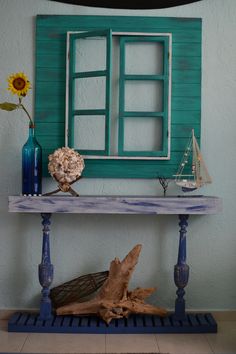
[[194, 323]]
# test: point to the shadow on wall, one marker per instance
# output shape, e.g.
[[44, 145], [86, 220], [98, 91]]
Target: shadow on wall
[[129, 4]]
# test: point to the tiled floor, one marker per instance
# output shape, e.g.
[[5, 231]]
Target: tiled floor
[[224, 342]]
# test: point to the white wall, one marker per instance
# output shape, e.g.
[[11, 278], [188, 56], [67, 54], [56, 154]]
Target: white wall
[[83, 244]]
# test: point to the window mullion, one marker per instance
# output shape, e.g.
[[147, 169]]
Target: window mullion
[[166, 59], [108, 92], [121, 98], [85, 74], [72, 93], [141, 77]]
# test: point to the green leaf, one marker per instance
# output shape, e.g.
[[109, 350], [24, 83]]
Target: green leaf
[[7, 106]]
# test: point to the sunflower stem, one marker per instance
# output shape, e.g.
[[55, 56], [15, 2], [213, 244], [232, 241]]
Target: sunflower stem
[[25, 110]]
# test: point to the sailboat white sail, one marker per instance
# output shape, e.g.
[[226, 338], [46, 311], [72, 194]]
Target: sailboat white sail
[[199, 174]]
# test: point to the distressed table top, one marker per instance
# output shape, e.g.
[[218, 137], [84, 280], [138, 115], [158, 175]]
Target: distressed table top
[[116, 204]]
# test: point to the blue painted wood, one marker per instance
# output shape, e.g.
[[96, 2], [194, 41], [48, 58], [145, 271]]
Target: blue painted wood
[[202, 319], [111, 324], [179, 322], [130, 322], [176, 323], [14, 318], [23, 319], [181, 270], [194, 323], [84, 322], [148, 321], [166, 322], [200, 205], [31, 320], [139, 320], [45, 270], [48, 323], [57, 321], [38, 323], [193, 320], [75, 322], [67, 321], [210, 319], [157, 321]]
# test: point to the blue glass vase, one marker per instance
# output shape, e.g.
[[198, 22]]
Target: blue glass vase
[[31, 165]]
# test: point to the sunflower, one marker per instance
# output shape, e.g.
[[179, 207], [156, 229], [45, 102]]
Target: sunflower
[[18, 84]]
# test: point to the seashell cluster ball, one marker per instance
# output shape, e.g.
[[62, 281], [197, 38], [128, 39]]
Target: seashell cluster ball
[[65, 165]]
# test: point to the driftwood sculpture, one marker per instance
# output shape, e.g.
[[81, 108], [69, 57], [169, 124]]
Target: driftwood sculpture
[[114, 300]]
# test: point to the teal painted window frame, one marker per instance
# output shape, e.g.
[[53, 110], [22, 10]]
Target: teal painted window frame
[[164, 115], [50, 88], [75, 75], [164, 77]]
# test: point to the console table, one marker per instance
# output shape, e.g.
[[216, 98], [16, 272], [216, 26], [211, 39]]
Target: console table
[[177, 322]]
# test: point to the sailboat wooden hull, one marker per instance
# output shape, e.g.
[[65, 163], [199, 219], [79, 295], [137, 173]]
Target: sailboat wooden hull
[[187, 186]]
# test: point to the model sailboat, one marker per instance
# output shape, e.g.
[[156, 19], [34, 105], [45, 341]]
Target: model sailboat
[[199, 175]]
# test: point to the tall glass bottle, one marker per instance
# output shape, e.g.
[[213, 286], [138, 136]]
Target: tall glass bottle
[[31, 165]]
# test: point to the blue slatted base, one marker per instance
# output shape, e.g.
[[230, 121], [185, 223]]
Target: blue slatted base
[[194, 323]]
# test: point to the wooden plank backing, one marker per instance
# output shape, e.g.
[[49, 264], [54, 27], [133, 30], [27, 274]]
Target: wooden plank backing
[[51, 75]]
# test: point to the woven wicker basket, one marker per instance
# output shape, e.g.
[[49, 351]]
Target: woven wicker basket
[[78, 289]]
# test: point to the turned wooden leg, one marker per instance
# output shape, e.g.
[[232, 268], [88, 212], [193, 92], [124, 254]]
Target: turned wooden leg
[[181, 270], [45, 270]]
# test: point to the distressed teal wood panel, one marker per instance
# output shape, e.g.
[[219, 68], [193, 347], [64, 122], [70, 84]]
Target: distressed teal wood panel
[[186, 77], [186, 63], [54, 46], [57, 98], [146, 169], [46, 33], [51, 142], [94, 169], [50, 129], [186, 117], [190, 36], [143, 169], [51, 75], [49, 116], [116, 22], [184, 130], [186, 90], [50, 89], [186, 86], [186, 103], [52, 102], [176, 157], [189, 49], [51, 61], [57, 61], [179, 144], [51, 47]]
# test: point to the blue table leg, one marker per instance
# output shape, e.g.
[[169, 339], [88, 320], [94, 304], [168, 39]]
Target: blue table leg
[[181, 270], [45, 270]]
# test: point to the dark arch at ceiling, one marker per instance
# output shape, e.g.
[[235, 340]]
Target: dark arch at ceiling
[[129, 4]]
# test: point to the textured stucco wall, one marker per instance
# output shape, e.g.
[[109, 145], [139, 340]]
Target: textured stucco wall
[[82, 244]]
